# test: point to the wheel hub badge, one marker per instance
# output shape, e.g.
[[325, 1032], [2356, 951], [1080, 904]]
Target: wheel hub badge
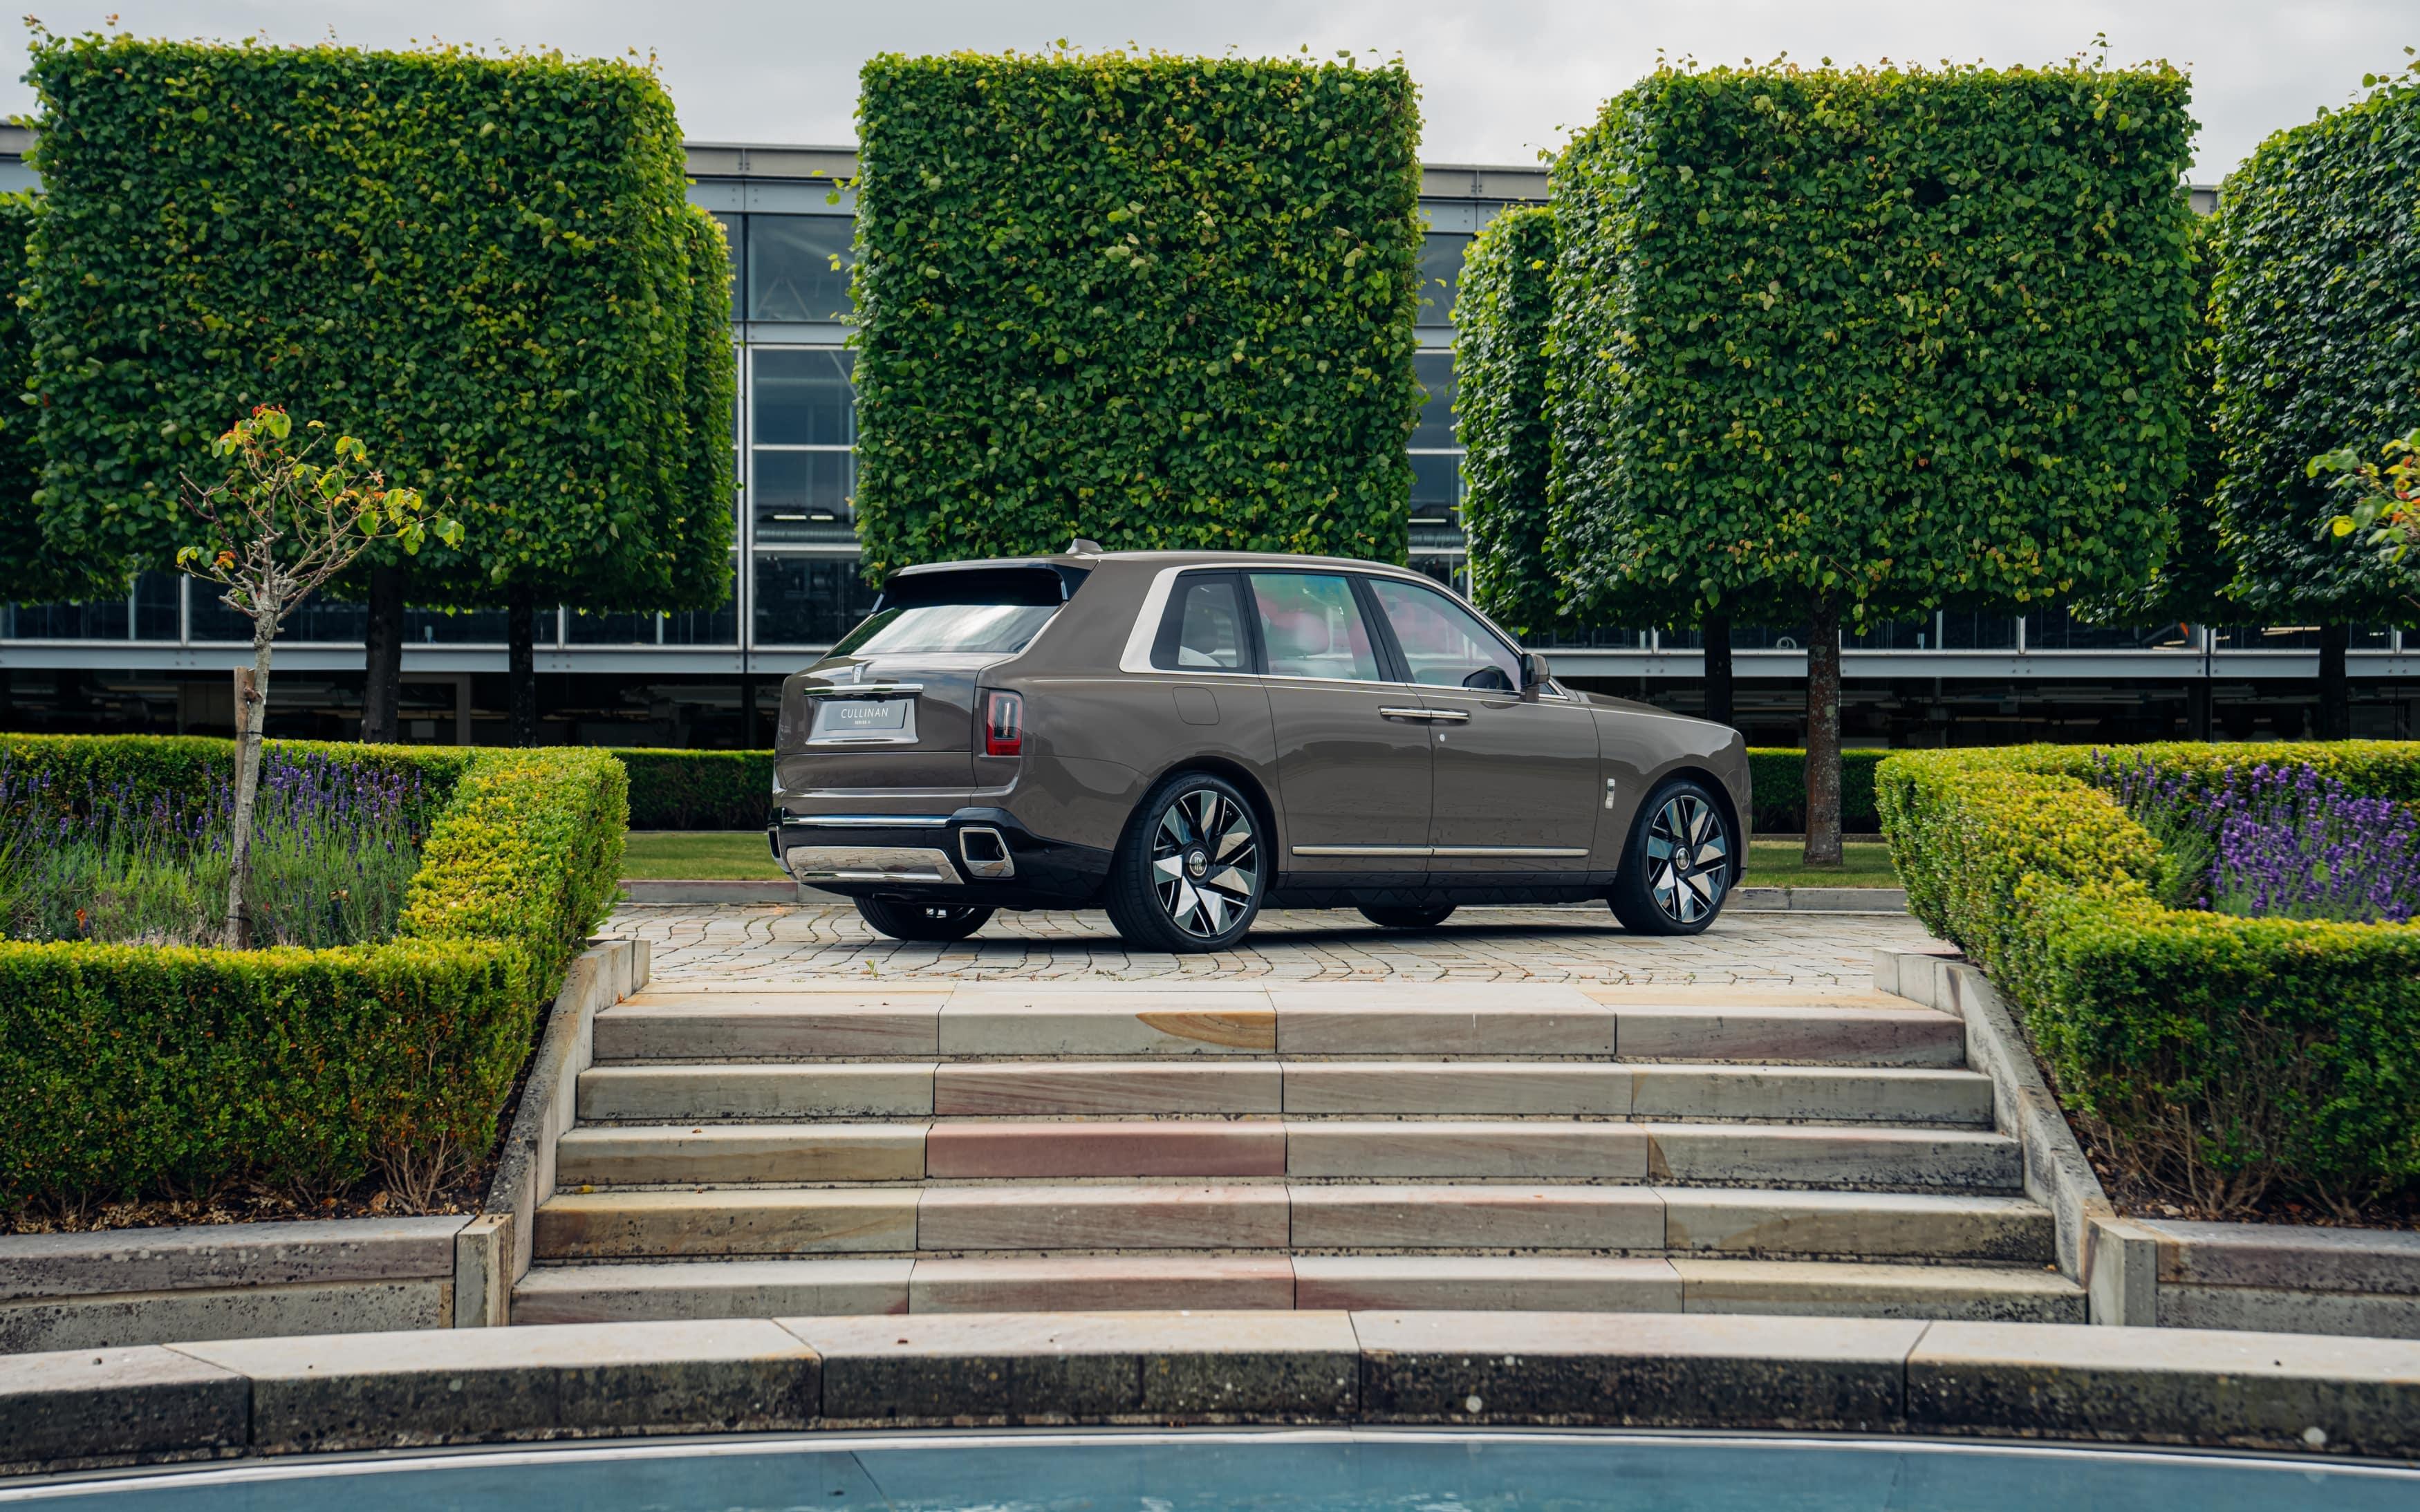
[[1197, 862]]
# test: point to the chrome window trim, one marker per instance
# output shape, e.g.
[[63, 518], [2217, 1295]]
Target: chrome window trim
[[1136, 658]]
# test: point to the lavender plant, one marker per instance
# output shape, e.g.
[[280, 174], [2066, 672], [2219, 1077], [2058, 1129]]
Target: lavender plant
[[333, 847], [2274, 841]]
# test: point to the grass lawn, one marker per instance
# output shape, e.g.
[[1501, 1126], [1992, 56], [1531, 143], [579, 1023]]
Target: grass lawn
[[700, 855], [703, 855]]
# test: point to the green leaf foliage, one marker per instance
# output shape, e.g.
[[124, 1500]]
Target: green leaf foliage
[[1778, 776], [2318, 346], [35, 572], [138, 1069], [1890, 337], [1501, 311], [1157, 301], [2218, 1057], [698, 789], [483, 266]]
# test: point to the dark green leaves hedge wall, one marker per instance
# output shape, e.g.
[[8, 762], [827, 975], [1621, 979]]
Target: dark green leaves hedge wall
[[1157, 301], [34, 571], [1501, 308], [2318, 346], [485, 267], [1891, 337]]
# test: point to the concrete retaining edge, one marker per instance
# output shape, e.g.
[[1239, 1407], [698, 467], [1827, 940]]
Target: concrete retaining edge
[[89, 1408], [2056, 1174], [1753, 899]]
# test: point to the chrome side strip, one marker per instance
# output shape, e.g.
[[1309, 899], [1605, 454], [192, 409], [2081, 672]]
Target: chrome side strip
[[1440, 850], [1362, 850]]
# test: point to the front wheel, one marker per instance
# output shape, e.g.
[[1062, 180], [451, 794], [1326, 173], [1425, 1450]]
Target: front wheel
[[1679, 864], [1408, 917], [1189, 873], [922, 921]]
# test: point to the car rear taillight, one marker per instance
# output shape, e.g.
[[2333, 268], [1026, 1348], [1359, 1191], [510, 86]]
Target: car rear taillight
[[1004, 725]]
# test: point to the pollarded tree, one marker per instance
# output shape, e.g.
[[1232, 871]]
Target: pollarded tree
[[485, 267], [1501, 307], [1869, 341], [2318, 348], [34, 570], [1157, 301]]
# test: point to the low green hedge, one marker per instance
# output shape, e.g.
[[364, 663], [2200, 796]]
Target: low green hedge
[[2221, 1058], [1778, 776], [699, 789], [144, 1070]]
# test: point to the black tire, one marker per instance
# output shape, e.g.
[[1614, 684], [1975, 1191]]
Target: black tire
[[922, 921], [1680, 862], [1408, 917], [1192, 868]]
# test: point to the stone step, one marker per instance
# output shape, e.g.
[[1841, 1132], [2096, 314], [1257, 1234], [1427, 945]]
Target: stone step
[[1048, 1019], [1094, 1283], [782, 1221], [1242, 1086], [1541, 1149]]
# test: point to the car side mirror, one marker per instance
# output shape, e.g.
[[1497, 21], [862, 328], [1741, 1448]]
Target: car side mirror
[[1535, 673]]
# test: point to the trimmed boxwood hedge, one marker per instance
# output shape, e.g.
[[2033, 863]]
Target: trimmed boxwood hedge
[[2219, 1058], [139, 1070], [1157, 301], [699, 789], [1778, 776]]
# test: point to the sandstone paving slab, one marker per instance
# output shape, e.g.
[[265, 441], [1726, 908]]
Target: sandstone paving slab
[[1833, 1155], [370, 1390], [1164, 1148], [996, 1020], [1054, 1368], [1478, 1216], [225, 1312], [1096, 1283], [1877, 1094], [711, 1288], [716, 1152], [750, 1221], [1441, 1021], [2288, 1255], [225, 1255], [726, 1025], [1044, 1089], [875, 1089], [2185, 1385], [1874, 1289], [1745, 1221], [1465, 1149], [1143, 1216], [1633, 1369], [1450, 1283], [97, 1405], [1501, 1087], [1907, 1035]]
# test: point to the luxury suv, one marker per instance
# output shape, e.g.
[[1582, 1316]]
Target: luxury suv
[[1184, 738]]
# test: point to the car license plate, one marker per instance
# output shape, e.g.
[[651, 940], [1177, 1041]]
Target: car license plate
[[863, 718]]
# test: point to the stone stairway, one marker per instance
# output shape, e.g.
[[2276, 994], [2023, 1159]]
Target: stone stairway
[[847, 1147]]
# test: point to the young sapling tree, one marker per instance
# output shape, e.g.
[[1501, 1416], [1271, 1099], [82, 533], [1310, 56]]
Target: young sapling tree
[[280, 524]]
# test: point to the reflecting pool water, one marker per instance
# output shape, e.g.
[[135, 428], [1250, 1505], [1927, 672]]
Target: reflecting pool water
[[1314, 1471]]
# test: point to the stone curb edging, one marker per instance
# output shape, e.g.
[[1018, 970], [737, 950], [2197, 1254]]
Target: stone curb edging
[[86, 1408], [1755, 899], [499, 1243], [662, 892], [2056, 1174], [658, 891]]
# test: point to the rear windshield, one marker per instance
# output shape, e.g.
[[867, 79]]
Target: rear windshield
[[994, 612]]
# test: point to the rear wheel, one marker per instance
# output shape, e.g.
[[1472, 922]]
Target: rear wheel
[[1189, 874], [1408, 917], [922, 921], [1680, 862]]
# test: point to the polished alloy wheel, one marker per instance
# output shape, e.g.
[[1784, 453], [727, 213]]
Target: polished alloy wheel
[[1206, 861], [1688, 857]]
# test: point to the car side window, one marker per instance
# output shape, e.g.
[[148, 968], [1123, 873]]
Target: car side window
[[1445, 643], [1311, 626], [1203, 629]]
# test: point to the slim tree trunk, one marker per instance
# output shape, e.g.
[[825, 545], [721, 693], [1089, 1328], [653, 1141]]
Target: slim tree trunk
[[382, 659], [1718, 635], [1823, 735], [521, 665], [2335, 689], [250, 712]]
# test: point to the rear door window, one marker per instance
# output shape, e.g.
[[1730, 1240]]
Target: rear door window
[[1204, 629], [1443, 644], [1312, 626]]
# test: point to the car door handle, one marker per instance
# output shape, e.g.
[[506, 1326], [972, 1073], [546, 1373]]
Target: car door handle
[[1435, 716]]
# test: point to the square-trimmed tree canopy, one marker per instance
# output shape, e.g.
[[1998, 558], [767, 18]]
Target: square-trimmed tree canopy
[[1886, 337], [1157, 301], [483, 266]]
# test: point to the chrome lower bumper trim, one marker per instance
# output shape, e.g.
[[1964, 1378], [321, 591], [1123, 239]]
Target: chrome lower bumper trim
[[870, 863]]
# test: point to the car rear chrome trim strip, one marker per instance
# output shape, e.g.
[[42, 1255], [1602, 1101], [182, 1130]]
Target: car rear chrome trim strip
[[861, 690], [869, 821], [870, 863]]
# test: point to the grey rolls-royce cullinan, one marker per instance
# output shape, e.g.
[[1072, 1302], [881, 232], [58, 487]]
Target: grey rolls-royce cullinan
[[1184, 738]]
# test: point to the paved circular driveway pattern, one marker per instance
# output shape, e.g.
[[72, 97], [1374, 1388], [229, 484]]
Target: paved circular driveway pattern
[[701, 945]]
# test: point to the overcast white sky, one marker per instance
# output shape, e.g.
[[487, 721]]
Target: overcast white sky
[[1499, 79]]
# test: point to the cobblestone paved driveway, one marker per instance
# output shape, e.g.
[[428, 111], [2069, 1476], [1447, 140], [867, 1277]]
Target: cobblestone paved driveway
[[699, 946]]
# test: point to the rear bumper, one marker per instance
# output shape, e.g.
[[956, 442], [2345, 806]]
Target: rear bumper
[[973, 855]]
